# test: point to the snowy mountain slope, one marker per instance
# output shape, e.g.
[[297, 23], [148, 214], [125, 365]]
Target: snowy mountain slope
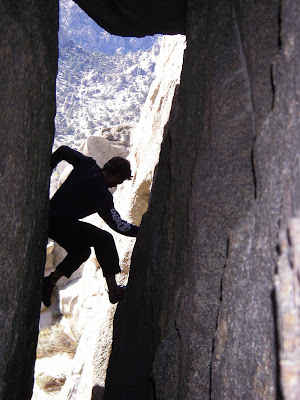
[[95, 89], [84, 31]]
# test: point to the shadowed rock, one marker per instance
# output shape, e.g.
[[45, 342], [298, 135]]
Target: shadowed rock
[[137, 18], [199, 314], [28, 54]]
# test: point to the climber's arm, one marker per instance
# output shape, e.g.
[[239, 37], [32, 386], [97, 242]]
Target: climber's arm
[[71, 156], [113, 219]]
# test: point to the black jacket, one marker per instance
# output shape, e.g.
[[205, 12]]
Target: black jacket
[[84, 192]]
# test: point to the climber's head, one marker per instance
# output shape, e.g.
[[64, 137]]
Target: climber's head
[[115, 171]]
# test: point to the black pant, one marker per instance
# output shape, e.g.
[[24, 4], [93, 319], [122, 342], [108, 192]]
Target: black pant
[[77, 237]]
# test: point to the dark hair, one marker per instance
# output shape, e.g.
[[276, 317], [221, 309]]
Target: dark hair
[[118, 165]]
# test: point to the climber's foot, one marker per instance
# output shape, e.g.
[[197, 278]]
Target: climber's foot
[[48, 288], [117, 294]]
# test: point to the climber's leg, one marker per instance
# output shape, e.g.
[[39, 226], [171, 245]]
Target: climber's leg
[[67, 233], [76, 237]]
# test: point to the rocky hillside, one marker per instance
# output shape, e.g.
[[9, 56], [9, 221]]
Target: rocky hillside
[[77, 26], [103, 80]]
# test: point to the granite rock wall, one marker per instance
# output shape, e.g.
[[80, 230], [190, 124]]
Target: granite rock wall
[[201, 315], [28, 63]]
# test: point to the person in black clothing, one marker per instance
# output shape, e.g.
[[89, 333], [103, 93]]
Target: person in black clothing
[[85, 192]]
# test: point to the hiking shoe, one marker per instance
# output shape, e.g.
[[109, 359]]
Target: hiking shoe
[[48, 288], [118, 294]]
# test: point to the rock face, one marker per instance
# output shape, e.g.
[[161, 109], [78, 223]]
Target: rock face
[[28, 54], [202, 318]]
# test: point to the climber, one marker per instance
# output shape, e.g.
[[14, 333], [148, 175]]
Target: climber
[[85, 192]]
